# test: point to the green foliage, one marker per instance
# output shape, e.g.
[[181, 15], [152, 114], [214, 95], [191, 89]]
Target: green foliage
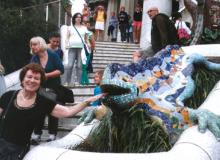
[[204, 81], [16, 31], [65, 3], [210, 35], [131, 131]]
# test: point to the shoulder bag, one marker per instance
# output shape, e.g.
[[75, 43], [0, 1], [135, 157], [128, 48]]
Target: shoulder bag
[[84, 45], [84, 78]]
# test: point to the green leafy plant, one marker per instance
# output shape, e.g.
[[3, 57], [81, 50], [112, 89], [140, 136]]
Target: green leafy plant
[[205, 80], [16, 31], [210, 35], [131, 131]]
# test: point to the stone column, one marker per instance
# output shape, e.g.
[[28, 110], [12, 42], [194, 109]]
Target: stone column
[[165, 6]]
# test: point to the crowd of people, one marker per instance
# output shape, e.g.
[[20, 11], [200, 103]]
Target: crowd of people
[[128, 25], [25, 110]]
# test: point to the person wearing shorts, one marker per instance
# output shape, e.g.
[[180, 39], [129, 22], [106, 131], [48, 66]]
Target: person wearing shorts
[[99, 17], [137, 21]]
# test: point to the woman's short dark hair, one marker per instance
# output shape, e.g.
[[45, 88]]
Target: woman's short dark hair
[[34, 67], [54, 34], [74, 18]]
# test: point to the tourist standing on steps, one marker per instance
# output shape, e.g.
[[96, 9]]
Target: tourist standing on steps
[[75, 35], [137, 23], [24, 108], [91, 41], [129, 30], [99, 18], [113, 27], [53, 67], [163, 31], [123, 23]]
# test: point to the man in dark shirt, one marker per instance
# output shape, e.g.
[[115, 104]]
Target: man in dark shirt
[[163, 31], [123, 23]]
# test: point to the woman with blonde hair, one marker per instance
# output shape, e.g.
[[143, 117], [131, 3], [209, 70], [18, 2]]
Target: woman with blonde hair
[[53, 67]]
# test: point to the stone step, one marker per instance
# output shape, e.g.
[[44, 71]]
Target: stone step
[[97, 68], [114, 52], [114, 49], [102, 66], [105, 61], [65, 125], [117, 44], [104, 55], [101, 58], [79, 91]]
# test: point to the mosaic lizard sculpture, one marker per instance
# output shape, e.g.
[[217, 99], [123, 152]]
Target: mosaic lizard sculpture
[[161, 83]]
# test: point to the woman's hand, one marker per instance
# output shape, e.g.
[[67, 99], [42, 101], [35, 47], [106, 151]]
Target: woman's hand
[[94, 98], [60, 111]]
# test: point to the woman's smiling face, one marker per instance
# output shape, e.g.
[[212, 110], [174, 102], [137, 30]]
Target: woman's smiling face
[[31, 81]]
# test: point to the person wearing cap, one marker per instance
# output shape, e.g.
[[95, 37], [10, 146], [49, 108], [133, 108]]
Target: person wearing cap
[[99, 18]]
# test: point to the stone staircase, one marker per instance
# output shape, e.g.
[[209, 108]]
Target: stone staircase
[[106, 53]]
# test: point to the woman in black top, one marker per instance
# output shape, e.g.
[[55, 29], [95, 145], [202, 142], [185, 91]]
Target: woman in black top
[[123, 23], [22, 109]]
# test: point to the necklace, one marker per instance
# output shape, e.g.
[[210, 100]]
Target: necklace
[[25, 98], [23, 102]]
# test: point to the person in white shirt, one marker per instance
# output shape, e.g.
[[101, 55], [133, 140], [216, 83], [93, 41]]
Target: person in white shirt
[[75, 35]]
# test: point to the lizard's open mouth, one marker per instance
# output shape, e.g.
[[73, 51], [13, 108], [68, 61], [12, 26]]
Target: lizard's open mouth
[[114, 90]]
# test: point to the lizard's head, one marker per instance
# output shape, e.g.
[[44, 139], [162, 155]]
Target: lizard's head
[[121, 93]]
